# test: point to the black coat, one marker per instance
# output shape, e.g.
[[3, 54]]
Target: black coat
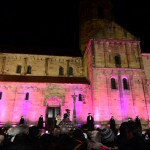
[[21, 121], [90, 122], [113, 126], [40, 123]]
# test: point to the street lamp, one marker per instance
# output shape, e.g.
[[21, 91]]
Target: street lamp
[[74, 108]]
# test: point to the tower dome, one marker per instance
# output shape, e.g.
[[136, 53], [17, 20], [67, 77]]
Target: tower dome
[[94, 16]]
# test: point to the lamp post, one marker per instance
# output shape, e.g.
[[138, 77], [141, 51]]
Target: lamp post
[[74, 108]]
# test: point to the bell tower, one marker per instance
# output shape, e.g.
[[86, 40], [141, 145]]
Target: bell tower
[[94, 15]]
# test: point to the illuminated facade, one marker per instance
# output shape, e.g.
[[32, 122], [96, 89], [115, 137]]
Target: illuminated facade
[[109, 80]]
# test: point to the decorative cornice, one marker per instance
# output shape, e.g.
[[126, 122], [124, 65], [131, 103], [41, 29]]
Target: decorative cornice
[[122, 69], [116, 41]]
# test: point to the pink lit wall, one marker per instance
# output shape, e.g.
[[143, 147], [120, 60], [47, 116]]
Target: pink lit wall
[[41, 95], [104, 103], [119, 102]]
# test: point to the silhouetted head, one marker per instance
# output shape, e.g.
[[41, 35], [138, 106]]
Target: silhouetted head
[[89, 114]]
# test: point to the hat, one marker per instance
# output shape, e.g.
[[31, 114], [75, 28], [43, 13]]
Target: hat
[[107, 135], [68, 110], [95, 136]]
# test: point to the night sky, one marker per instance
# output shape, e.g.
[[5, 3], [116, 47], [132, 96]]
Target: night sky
[[51, 27]]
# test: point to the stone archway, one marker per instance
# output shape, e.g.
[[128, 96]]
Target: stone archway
[[53, 107], [54, 100]]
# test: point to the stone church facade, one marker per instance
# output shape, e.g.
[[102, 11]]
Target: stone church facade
[[110, 79]]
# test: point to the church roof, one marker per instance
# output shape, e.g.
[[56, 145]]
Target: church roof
[[115, 32]]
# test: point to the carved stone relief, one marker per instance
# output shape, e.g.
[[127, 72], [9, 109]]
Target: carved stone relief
[[54, 100]]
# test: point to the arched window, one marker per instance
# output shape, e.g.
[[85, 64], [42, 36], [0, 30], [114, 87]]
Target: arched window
[[18, 70], [117, 61], [70, 72], [80, 97], [61, 71], [1, 95], [125, 84], [113, 83], [29, 70], [27, 96]]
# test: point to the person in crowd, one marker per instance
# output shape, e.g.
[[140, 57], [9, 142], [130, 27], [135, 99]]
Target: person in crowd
[[135, 140], [20, 139], [94, 141], [58, 120], [34, 133], [79, 141], [64, 140], [46, 142], [130, 119], [66, 121], [57, 131], [147, 135], [40, 122], [113, 125], [138, 122], [13, 131], [121, 138], [107, 136], [22, 121], [1, 141], [90, 122], [68, 113]]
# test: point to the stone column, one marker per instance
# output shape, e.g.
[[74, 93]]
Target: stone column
[[68, 67], [106, 55], [131, 75], [25, 66], [120, 92], [127, 46], [74, 109], [46, 66], [108, 77], [3, 64], [146, 98]]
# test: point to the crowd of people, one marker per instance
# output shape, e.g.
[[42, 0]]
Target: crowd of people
[[66, 136]]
